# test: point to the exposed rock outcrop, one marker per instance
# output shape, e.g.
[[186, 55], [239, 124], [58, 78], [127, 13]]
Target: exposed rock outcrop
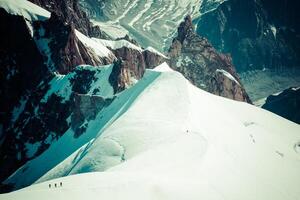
[[65, 50], [153, 59], [285, 104], [131, 65], [257, 33], [199, 62], [22, 69], [85, 108], [70, 13]]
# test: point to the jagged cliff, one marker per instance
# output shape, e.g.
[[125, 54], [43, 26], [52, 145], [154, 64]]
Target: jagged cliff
[[198, 61], [257, 33], [70, 13]]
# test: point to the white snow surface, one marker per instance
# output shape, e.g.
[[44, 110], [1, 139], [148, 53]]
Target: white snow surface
[[115, 31], [165, 139], [117, 44], [228, 75], [153, 50], [98, 48], [25, 8]]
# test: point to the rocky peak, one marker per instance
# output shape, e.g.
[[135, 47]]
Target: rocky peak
[[185, 29], [22, 69], [198, 61], [70, 13], [66, 50], [131, 64]]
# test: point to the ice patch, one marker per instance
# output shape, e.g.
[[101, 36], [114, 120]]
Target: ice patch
[[274, 30], [31, 149], [228, 75]]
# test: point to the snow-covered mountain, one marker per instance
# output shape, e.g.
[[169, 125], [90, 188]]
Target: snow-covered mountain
[[150, 22], [258, 34], [65, 91], [88, 112], [186, 144], [40, 77]]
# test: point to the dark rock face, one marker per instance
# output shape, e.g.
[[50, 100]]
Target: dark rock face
[[286, 104], [18, 56], [200, 63], [131, 66], [45, 118], [86, 108], [22, 69], [123, 76], [152, 60], [70, 13], [66, 50], [283, 13], [257, 33]]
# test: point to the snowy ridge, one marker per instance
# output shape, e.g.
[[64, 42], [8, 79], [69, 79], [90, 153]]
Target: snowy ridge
[[117, 44], [98, 47], [26, 9], [54, 155], [179, 147], [151, 49]]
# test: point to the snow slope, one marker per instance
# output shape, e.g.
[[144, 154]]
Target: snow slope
[[97, 47], [189, 144], [117, 44], [150, 22], [24, 8]]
